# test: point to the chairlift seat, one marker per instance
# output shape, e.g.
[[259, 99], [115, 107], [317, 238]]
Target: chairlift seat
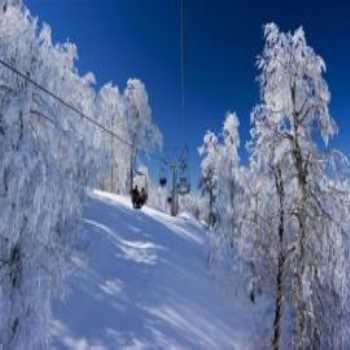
[[163, 181]]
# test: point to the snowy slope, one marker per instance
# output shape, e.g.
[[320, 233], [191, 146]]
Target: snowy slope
[[144, 284]]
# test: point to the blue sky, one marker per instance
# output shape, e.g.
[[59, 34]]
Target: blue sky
[[118, 39]]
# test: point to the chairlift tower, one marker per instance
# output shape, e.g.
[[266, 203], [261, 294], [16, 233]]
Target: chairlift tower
[[180, 184]]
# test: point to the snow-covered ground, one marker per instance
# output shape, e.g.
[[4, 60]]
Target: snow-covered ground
[[144, 284]]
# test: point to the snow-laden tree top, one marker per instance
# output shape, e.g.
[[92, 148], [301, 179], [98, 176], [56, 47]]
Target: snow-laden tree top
[[292, 83]]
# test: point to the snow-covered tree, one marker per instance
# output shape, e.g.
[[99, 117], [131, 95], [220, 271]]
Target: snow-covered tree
[[220, 180], [110, 104], [265, 241], [208, 181], [143, 134], [48, 157], [128, 115], [310, 239], [284, 218], [227, 179], [193, 204]]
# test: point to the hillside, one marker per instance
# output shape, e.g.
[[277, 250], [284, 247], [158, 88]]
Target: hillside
[[143, 284]]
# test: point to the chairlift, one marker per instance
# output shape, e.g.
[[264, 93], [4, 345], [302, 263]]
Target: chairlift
[[139, 193], [162, 177], [163, 181]]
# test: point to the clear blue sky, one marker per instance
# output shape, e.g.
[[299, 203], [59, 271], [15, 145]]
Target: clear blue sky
[[118, 39]]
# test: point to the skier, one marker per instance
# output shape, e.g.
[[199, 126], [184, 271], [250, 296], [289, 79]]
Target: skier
[[143, 197], [135, 197]]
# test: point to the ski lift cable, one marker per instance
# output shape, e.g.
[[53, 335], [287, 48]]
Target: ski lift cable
[[183, 158], [62, 101], [69, 106], [182, 58], [182, 64]]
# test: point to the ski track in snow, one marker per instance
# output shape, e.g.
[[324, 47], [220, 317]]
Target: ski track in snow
[[144, 284]]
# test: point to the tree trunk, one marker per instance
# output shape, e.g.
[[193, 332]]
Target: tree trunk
[[301, 169], [232, 203], [277, 323], [131, 172], [211, 218], [131, 176], [113, 160]]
